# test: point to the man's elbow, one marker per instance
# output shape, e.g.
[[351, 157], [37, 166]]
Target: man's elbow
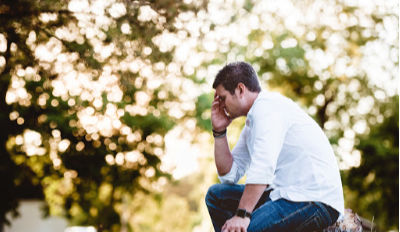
[[223, 170]]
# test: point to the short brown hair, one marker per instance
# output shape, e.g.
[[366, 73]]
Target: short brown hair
[[234, 73]]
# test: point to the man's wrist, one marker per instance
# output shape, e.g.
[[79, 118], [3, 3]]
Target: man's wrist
[[243, 213], [219, 134]]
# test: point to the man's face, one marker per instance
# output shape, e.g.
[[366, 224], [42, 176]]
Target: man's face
[[229, 102]]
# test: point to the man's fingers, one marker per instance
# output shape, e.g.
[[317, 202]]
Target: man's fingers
[[222, 108], [223, 227], [215, 106], [231, 228]]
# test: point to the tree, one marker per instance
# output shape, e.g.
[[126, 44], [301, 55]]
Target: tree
[[85, 103]]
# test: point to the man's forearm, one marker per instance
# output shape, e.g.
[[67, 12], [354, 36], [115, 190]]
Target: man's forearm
[[251, 195], [223, 156]]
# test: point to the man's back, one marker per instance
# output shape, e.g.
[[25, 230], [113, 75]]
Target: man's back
[[306, 168]]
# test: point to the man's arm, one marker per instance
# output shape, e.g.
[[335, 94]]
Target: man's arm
[[223, 156], [220, 121], [251, 195]]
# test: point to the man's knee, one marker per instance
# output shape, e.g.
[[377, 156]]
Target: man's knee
[[216, 192], [213, 193]]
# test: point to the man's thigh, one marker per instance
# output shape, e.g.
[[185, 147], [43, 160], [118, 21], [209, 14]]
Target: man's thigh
[[284, 215], [227, 196]]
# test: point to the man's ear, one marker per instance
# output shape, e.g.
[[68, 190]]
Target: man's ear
[[241, 87]]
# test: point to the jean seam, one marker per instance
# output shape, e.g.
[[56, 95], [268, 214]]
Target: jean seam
[[326, 212], [295, 212], [313, 218]]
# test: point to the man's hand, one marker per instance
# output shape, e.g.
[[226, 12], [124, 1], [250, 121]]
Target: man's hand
[[236, 224], [220, 121]]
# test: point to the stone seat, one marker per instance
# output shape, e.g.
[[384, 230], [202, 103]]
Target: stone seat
[[351, 222]]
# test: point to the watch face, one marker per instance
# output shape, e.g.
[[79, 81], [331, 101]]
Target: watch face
[[241, 213]]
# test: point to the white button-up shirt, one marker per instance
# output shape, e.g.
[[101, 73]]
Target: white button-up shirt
[[283, 147]]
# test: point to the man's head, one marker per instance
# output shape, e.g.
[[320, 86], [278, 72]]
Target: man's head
[[234, 73], [236, 88]]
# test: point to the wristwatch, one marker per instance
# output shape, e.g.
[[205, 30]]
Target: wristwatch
[[242, 213]]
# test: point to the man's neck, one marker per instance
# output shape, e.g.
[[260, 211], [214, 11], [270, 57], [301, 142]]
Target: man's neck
[[251, 99]]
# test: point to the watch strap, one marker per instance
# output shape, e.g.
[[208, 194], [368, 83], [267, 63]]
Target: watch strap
[[219, 134]]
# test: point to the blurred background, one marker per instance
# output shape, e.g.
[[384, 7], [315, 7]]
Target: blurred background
[[105, 104]]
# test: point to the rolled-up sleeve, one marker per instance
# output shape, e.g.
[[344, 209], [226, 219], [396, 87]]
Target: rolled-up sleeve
[[268, 130], [241, 160]]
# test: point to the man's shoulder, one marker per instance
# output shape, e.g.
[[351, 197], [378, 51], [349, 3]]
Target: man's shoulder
[[269, 95], [270, 100], [269, 104]]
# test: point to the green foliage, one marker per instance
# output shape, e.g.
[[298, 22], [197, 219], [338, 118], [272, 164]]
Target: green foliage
[[148, 124], [203, 113], [83, 172], [374, 185]]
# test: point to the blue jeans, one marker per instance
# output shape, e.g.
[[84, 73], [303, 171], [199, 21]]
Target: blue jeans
[[281, 215]]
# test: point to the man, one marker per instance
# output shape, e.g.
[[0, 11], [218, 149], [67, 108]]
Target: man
[[292, 178]]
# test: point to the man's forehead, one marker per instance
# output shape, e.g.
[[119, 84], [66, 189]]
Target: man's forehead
[[220, 90]]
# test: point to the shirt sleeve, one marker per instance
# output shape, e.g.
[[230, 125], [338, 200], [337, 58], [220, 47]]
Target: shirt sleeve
[[241, 160], [268, 129]]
